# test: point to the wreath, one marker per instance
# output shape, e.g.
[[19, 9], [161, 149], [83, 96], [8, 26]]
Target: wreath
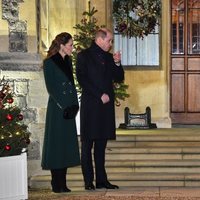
[[136, 18]]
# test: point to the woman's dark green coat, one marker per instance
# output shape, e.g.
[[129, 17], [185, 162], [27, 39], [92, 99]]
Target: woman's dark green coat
[[60, 148]]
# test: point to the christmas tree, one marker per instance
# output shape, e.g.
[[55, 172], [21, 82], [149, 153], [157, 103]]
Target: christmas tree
[[83, 39], [14, 135]]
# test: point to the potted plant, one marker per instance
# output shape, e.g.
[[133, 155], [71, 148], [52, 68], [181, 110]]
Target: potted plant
[[14, 139]]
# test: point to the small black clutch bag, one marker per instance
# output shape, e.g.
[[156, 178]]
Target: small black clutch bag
[[70, 112]]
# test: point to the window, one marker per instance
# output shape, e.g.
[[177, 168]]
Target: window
[[178, 25], [180, 22], [138, 52], [194, 27]]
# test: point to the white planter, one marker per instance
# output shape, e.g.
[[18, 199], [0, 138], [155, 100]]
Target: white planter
[[13, 177]]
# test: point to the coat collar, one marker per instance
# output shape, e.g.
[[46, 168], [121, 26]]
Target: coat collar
[[99, 53], [64, 64], [97, 48]]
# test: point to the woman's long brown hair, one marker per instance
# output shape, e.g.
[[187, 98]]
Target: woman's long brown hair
[[61, 38]]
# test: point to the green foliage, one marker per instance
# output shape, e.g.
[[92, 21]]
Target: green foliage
[[14, 135], [86, 30], [120, 92], [136, 18], [85, 35]]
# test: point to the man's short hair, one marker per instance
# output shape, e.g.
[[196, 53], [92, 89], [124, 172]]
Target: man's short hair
[[101, 33]]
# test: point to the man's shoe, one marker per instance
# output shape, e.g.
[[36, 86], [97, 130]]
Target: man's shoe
[[106, 185], [90, 186]]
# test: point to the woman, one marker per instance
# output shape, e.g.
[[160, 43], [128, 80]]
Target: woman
[[60, 149]]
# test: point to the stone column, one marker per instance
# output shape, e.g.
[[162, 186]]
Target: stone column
[[104, 14]]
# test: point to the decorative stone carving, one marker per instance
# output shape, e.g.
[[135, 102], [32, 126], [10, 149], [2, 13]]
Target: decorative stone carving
[[17, 28]]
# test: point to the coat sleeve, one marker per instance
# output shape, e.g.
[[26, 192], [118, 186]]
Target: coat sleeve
[[83, 78], [118, 71], [61, 91]]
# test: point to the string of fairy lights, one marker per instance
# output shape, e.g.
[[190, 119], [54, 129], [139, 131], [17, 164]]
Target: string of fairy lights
[[14, 135]]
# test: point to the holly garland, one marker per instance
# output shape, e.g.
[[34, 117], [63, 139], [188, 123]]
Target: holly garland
[[14, 135], [136, 18]]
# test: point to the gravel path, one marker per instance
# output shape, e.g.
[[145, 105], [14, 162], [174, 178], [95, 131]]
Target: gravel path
[[48, 195]]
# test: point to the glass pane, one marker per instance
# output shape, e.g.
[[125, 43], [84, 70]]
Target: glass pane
[[148, 51], [137, 51], [127, 46], [178, 8], [194, 27]]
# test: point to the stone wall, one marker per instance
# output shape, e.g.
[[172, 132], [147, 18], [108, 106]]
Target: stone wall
[[20, 65], [25, 76]]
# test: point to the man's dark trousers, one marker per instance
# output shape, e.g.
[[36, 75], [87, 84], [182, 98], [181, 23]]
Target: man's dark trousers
[[99, 147]]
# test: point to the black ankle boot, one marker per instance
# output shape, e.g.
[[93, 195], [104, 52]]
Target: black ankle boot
[[58, 182], [55, 183], [63, 180]]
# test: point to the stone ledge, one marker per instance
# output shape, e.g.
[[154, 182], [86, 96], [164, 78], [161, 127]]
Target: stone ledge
[[20, 61]]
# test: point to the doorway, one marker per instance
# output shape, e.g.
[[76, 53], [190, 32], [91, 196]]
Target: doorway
[[185, 62]]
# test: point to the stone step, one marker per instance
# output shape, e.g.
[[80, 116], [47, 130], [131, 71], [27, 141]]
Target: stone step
[[167, 144], [138, 165], [152, 150], [122, 133], [157, 135], [163, 163], [160, 137], [168, 157], [127, 179], [133, 144], [130, 170], [155, 156], [145, 169], [153, 163]]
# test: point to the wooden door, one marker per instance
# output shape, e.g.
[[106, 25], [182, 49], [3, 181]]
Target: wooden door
[[185, 61]]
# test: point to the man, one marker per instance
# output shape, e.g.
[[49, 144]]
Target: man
[[96, 70]]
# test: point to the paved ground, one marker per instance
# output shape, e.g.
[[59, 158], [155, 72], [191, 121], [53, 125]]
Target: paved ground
[[144, 193]]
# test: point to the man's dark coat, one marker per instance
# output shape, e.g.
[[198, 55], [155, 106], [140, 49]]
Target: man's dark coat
[[96, 72]]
